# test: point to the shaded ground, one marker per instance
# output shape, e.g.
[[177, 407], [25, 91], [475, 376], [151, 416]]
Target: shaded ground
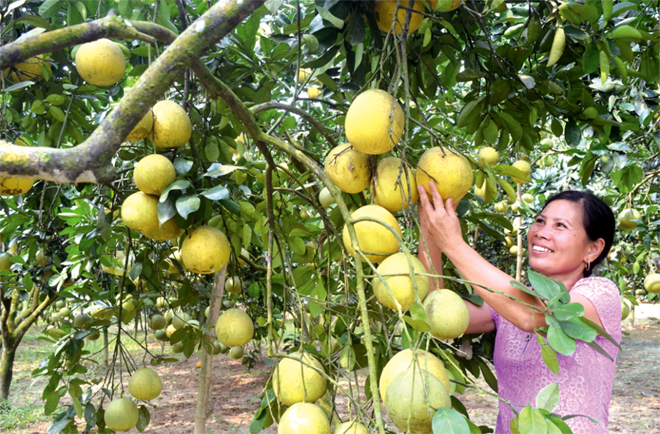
[[235, 392]]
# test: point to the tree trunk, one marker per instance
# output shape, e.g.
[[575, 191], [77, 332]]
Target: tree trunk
[[6, 372], [207, 359]]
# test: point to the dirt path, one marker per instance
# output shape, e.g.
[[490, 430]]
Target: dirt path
[[235, 391]]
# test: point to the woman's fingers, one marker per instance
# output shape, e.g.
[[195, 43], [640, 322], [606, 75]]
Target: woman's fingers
[[437, 198], [423, 198]]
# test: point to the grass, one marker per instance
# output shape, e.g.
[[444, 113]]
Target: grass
[[19, 415]]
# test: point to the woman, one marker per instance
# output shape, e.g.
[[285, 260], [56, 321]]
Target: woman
[[572, 234]]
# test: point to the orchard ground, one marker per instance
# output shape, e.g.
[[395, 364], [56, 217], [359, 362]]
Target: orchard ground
[[235, 391]]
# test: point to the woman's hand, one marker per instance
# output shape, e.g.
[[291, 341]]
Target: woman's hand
[[438, 220]]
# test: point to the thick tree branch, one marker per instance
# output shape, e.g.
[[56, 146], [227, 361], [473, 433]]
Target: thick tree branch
[[91, 160]]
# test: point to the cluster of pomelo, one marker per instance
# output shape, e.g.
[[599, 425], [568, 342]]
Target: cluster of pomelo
[[122, 414]]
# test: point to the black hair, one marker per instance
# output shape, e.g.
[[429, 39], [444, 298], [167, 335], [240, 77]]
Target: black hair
[[597, 218]]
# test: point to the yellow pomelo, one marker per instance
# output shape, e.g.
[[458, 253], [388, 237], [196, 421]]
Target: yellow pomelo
[[652, 283], [413, 398], [445, 5], [625, 310], [5, 261], [375, 241], [169, 331], [451, 172], [384, 11], [295, 382], [29, 70], [403, 361], [527, 198], [234, 328], [401, 287], [304, 74], [446, 313], [168, 230], [348, 169], [313, 92], [489, 156], [513, 250], [205, 250], [180, 320], [524, 167], [325, 197], [121, 414], [157, 322], [374, 122], [101, 62], [626, 218], [388, 192], [303, 418], [153, 173], [145, 384], [350, 427], [142, 129], [139, 212], [234, 285], [172, 127], [118, 270], [15, 186]]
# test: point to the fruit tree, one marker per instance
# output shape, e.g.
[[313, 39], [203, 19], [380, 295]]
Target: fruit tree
[[154, 149]]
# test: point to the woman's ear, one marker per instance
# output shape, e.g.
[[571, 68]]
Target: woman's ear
[[596, 248]]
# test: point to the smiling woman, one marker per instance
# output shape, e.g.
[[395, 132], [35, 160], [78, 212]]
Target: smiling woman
[[573, 233]]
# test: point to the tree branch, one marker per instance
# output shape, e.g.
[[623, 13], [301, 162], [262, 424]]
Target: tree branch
[[91, 160]]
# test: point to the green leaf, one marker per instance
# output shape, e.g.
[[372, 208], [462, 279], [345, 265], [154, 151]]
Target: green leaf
[[557, 339], [522, 287], [550, 358], [218, 169], [573, 134], [216, 193], [34, 21], [578, 330], [166, 210], [587, 168], [512, 125], [548, 397], [488, 374], [326, 15], [532, 421], [417, 325], [177, 185], [143, 419], [182, 166], [590, 59], [231, 206], [449, 421], [50, 8], [546, 287], [187, 204], [566, 312], [469, 113], [23, 85], [323, 60], [601, 331], [297, 245], [57, 113]]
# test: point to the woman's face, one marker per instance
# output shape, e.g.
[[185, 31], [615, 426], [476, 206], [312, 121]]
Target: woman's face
[[558, 244]]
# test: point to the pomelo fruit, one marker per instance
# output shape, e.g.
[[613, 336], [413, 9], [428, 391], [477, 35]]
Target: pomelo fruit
[[15, 186], [313, 92], [145, 384], [524, 167], [234, 328], [295, 382], [304, 418], [388, 192], [172, 127], [5, 261], [139, 212], [403, 361], [348, 168], [626, 218], [166, 231], [652, 283], [157, 322], [625, 310], [374, 239], [489, 156], [325, 198], [446, 313], [28, 70], [81, 320], [153, 173], [450, 172], [413, 398], [234, 285], [179, 321], [205, 250], [401, 287], [236, 353], [350, 427], [384, 12], [100, 62], [374, 121], [445, 5], [142, 129], [121, 414]]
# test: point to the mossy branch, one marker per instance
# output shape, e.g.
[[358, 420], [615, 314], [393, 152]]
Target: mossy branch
[[91, 160]]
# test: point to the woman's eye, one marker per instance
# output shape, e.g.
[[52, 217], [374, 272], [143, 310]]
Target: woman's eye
[[539, 220]]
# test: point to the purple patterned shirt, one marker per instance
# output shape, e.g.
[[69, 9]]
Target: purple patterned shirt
[[585, 379]]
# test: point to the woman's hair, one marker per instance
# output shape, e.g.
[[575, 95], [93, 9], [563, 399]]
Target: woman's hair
[[597, 218]]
